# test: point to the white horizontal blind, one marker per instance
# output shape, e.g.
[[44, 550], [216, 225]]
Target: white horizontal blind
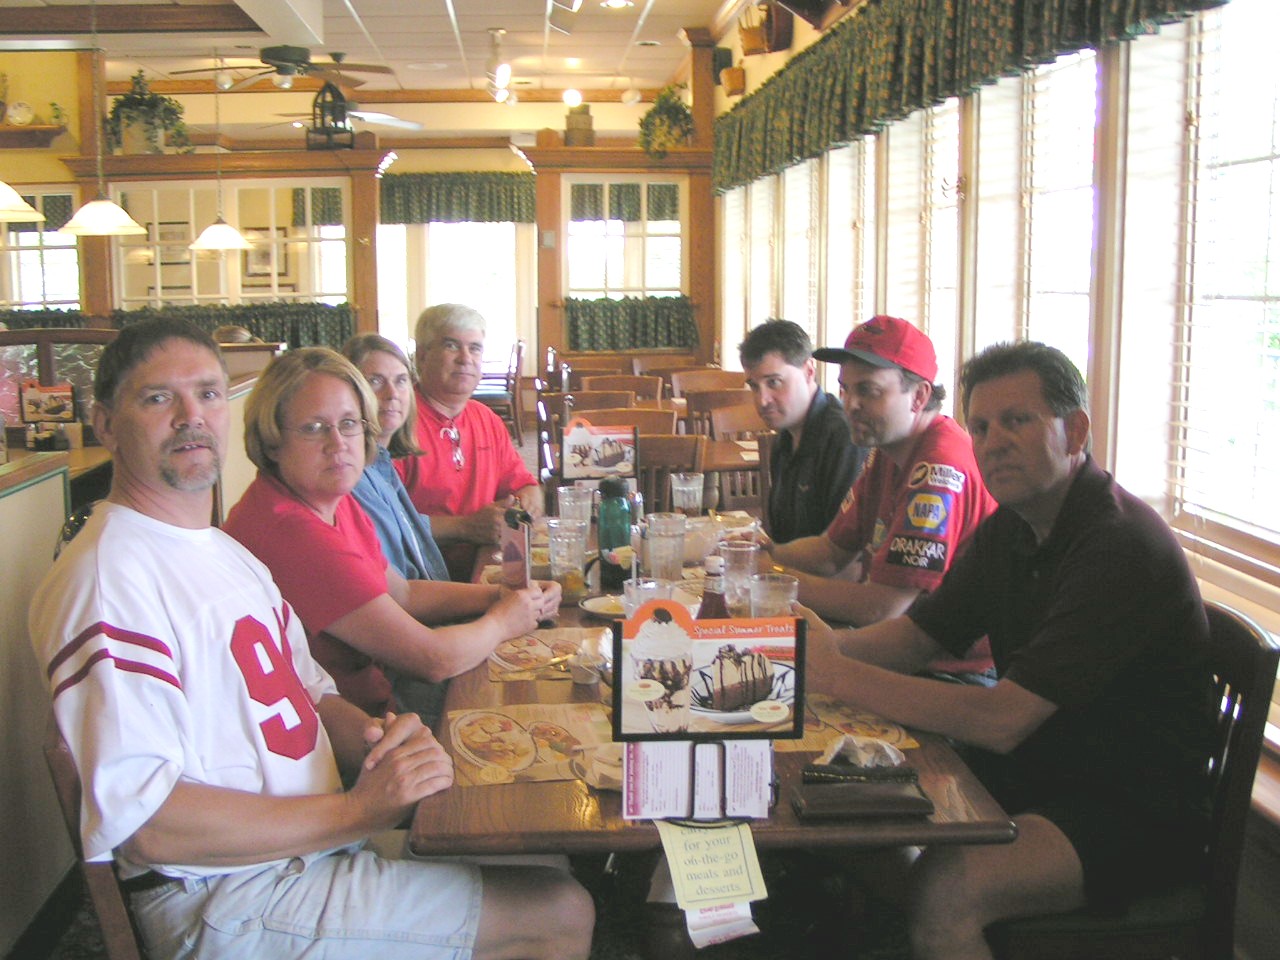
[[997, 189], [943, 188], [1058, 128], [761, 251], [904, 220], [1226, 467], [799, 251], [733, 272]]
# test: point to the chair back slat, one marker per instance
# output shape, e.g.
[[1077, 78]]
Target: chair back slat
[[708, 378], [657, 457], [645, 388], [645, 420], [700, 403]]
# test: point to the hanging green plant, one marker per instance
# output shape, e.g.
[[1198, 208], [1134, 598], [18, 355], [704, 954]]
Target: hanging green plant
[[159, 117], [669, 123]]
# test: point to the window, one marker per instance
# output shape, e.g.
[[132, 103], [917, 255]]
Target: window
[[298, 234], [762, 271], [799, 246], [625, 238], [734, 239], [1227, 418], [850, 225], [39, 267]]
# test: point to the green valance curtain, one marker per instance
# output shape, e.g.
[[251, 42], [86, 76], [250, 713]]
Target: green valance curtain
[[631, 323], [326, 206], [457, 198], [56, 208], [586, 201], [893, 57]]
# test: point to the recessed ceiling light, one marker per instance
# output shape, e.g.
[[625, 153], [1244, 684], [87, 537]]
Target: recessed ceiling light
[[572, 97], [648, 43], [573, 63], [616, 4]]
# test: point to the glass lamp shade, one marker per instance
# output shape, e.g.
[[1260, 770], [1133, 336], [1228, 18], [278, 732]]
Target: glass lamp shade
[[13, 209], [102, 218], [220, 235]]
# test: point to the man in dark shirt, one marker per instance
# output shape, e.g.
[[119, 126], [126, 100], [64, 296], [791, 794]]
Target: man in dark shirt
[[814, 460], [1096, 733]]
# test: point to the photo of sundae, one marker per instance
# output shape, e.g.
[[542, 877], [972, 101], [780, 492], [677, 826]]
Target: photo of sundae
[[663, 652]]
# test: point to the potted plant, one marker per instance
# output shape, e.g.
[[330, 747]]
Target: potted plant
[[669, 123], [156, 118]]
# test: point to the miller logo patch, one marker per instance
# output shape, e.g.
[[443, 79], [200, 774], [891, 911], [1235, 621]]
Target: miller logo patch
[[920, 553], [936, 475], [929, 512]]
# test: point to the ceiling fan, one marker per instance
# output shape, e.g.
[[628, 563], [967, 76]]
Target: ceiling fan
[[289, 61]]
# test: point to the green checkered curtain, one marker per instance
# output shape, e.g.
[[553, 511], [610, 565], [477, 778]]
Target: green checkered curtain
[[664, 201], [458, 198], [630, 323], [38, 319], [326, 206], [297, 324], [56, 208], [893, 57], [586, 201]]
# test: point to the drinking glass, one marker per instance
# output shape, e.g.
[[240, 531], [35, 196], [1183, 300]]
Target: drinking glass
[[772, 594], [574, 503], [636, 592], [664, 545], [686, 493], [740, 558], [567, 540]]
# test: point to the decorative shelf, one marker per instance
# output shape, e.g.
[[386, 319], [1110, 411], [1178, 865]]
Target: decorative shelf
[[35, 135]]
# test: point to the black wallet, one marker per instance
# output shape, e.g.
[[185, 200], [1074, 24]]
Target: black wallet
[[849, 801]]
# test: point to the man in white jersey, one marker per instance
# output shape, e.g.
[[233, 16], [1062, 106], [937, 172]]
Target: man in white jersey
[[209, 742]]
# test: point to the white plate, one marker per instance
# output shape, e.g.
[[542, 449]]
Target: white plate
[[19, 113], [784, 691], [607, 606]]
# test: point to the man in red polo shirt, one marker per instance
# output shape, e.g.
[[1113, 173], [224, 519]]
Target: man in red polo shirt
[[468, 472], [916, 502]]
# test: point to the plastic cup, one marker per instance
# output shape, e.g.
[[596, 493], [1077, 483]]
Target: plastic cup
[[686, 493], [567, 544], [664, 545], [574, 503], [772, 594], [740, 559], [639, 591]]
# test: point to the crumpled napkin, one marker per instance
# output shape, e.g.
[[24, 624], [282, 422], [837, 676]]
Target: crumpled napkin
[[862, 752]]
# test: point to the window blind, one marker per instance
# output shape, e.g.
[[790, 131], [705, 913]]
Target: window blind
[[799, 251], [850, 225], [761, 268], [734, 242]]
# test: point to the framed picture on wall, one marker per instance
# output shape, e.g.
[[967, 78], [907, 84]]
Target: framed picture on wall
[[172, 238], [256, 262]]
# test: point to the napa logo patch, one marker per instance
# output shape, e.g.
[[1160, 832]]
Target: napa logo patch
[[941, 475], [929, 512]]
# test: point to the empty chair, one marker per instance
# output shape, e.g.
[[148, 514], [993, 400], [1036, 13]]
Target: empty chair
[[119, 935], [650, 363], [645, 388], [711, 378], [659, 456], [700, 403], [738, 422], [1193, 922], [561, 406], [742, 489], [644, 419], [501, 393]]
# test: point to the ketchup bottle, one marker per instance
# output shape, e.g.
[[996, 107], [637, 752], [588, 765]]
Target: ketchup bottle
[[713, 606]]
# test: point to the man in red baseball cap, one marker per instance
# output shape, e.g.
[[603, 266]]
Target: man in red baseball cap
[[915, 503]]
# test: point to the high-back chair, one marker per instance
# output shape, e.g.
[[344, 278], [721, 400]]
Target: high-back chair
[[650, 363], [1195, 921], [740, 489], [119, 935], [700, 403], [659, 456], [561, 407], [501, 393], [644, 419], [645, 388], [706, 378]]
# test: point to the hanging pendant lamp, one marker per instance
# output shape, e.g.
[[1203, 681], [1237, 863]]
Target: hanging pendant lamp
[[13, 209], [100, 217], [219, 235]]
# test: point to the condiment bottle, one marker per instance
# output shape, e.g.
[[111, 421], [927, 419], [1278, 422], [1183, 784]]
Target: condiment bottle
[[713, 606], [613, 530]]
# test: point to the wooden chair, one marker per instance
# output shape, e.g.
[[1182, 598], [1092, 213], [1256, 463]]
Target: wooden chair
[[740, 489], [502, 394], [659, 456], [650, 364], [644, 419], [666, 372], [645, 388], [700, 403], [560, 407], [1194, 922], [119, 935], [707, 378]]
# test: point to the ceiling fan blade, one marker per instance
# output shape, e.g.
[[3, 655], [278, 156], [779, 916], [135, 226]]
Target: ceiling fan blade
[[356, 67], [335, 77], [249, 80], [385, 119]]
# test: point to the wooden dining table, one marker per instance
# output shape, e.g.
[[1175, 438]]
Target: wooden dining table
[[568, 816]]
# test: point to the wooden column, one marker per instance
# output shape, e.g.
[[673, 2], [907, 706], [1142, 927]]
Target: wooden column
[[96, 290], [701, 83], [366, 192]]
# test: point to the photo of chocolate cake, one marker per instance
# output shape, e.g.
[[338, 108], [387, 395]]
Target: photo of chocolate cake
[[739, 678]]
